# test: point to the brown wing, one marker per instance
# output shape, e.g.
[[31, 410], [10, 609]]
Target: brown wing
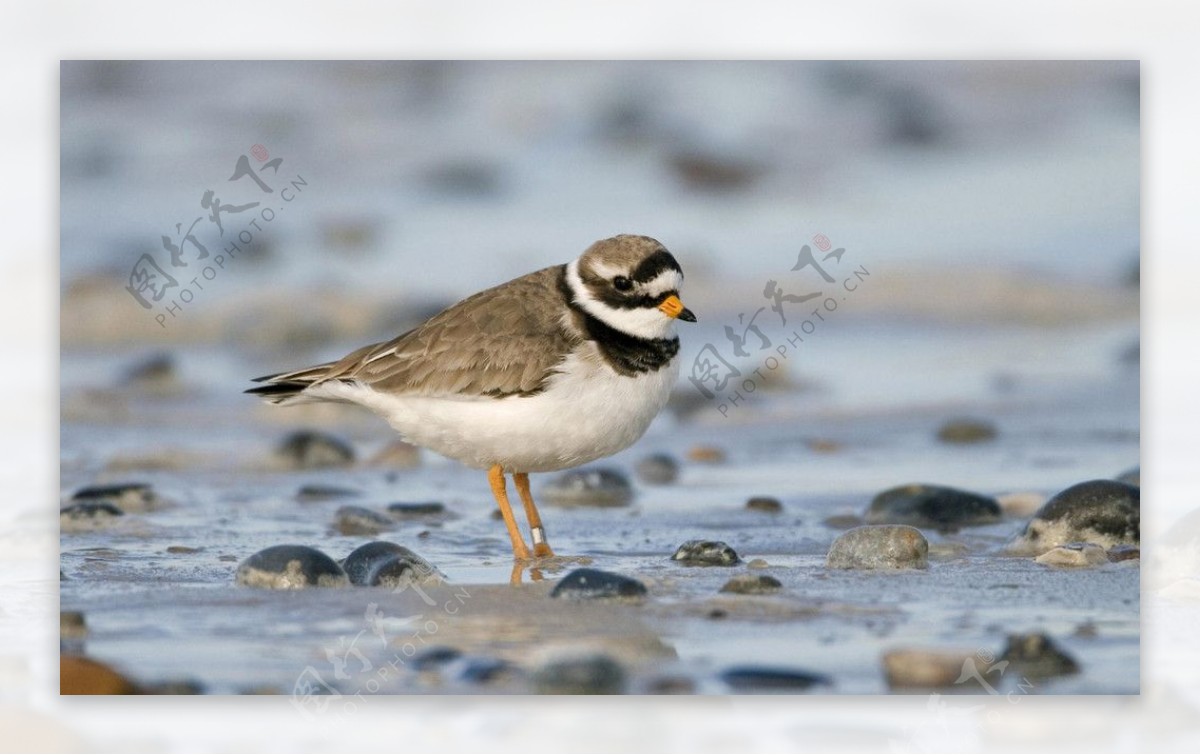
[[502, 341]]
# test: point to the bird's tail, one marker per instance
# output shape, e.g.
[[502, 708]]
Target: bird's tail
[[287, 388]]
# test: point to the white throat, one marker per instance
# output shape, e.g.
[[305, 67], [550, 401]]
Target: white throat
[[643, 322]]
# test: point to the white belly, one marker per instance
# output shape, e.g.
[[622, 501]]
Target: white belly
[[586, 413]]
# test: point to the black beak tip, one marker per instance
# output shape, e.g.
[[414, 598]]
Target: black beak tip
[[687, 316]]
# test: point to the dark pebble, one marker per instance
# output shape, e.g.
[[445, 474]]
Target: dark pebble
[[599, 486], [290, 567], [182, 550], [752, 584], [89, 511], [1036, 656], [658, 469], [1124, 553], [765, 504], [1106, 513], [714, 172], [586, 675], [879, 546], [744, 678], [325, 492], [154, 373], [306, 449], [134, 497], [485, 670], [72, 625], [432, 658], [966, 431], [399, 571], [671, 685], [932, 506], [356, 520], [366, 558], [706, 553], [594, 583], [415, 510], [1131, 477]]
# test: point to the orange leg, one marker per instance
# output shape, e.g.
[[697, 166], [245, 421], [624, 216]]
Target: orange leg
[[496, 478], [536, 530]]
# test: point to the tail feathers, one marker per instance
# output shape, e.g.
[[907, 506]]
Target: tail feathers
[[288, 387]]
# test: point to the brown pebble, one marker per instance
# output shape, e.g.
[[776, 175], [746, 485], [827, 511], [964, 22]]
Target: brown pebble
[[842, 521], [1124, 553], [182, 549], [706, 454], [915, 667], [764, 503], [83, 676]]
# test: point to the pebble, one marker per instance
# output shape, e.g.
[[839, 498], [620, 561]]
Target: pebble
[[133, 497], [706, 553], [485, 670], [71, 625], [182, 550], [917, 667], [1131, 477], [879, 546], [154, 373], [765, 504], [714, 172], [580, 675], [367, 558], [325, 492], [1074, 554], [966, 431], [706, 454], [1036, 656], [83, 676], [431, 658], [86, 514], [416, 510], [356, 520], [290, 567], [594, 583], [1125, 553], [599, 486], [757, 563], [842, 521], [400, 571], [671, 685], [1104, 512], [932, 506], [745, 678], [307, 449], [658, 469], [752, 584], [397, 455]]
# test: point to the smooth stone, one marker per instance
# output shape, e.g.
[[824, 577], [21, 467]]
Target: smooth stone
[[415, 510], [879, 546], [765, 504], [1074, 554], [399, 571], [594, 583], [657, 469], [932, 506], [1021, 505], [88, 514], [153, 373], [1125, 553], [580, 675], [752, 584], [290, 567], [83, 676], [757, 563], [307, 449], [966, 431], [917, 667], [319, 492], [485, 670], [1131, 476], [433, 657], [134, 497], [1104, 512], [356, 520], [768, 678], [599, 486], [364, 559], [707, 454], [1036, 656], [72, 625], [706, 553], [182, 550]]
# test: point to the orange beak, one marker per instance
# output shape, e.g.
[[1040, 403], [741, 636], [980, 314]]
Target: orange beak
[[672, 307]]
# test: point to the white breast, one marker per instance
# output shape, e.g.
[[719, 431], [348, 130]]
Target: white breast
[[587, 412]]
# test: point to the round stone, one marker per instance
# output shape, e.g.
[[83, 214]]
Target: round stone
[[356, 520], [765, 504], [307, 449], [594, 583], [750, 678], [132, 497], [589, 487], [84, 515], [752, 584], [1036, 656], [966, 431], [658, 469], [879, 546], [932, 506], [290, 567], [581, 675], [706, 553], [365, 559], [416, 510], [1074, 554], [919, 667]]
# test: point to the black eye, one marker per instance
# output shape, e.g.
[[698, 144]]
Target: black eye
[[621, 283]]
